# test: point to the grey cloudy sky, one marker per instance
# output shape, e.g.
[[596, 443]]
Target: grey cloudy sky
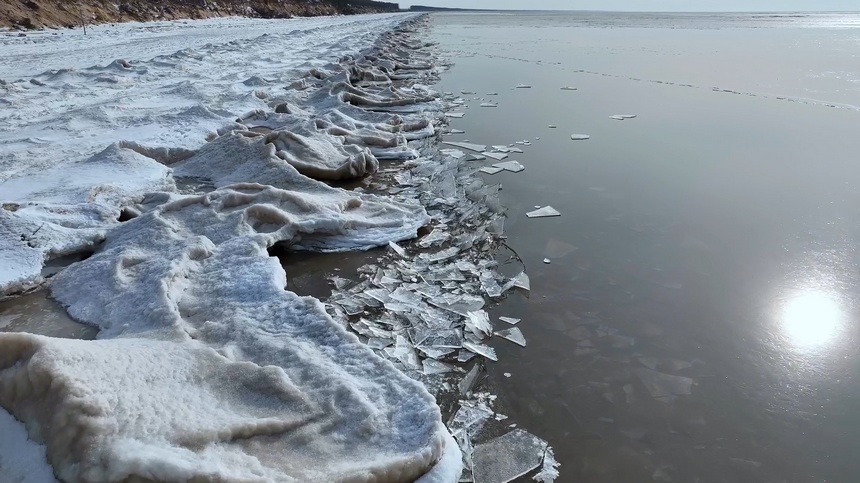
[[649, 5]]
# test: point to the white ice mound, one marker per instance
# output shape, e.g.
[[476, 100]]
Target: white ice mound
[[126, 409], [320, 157]]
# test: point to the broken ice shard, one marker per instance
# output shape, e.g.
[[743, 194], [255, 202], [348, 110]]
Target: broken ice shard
[[478, 322], [397, 248], [543, 212], [568, 88], [457, 115], [507, 457], [471, 378], [488, 104], [514, 334], [509, 320], [481, 350], [549, 470], [522, 281], [512, 166], [580, 137], [622, 117], [523, 86], [469, 146]]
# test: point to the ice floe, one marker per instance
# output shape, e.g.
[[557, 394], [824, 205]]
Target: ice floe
[[544, 212], [580, 137]]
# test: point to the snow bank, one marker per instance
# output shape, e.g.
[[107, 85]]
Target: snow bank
[[21, 460], [206, 368]]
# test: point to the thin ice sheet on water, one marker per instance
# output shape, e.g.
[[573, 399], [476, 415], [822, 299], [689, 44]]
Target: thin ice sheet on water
[[488, 104], [507, 457], [464, 305], [489, 284], [468, 382], [456, 115], [514, 334], [475, 157], [470, 146], [661, 385], [491, 170], [496, 156], [509, 320], [432, 367], [544, 212], [512, 166]]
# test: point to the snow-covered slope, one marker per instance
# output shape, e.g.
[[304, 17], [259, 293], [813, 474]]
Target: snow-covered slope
[[206, 368]]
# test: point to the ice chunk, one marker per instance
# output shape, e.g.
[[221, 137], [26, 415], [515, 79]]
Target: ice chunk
[[517, 150], [546, 211], [481, 350], [496, 156], [514, 334], [488, 104], [523, 86], [465, 356], [478, 322], [435, 367], [549, 470], [552, 126], [622, 117], [522, 281], [507, 374], [476, 157], [507, 457], [509, 320], [471, 378], [471, 147], [492, 93], [512, 166], [462, 306], [456, 115], [440, 255], [491, 169], [489, 284], [398, 249], [435, 237], [662, 385], [579, 137], [568, 88], [501, 148]]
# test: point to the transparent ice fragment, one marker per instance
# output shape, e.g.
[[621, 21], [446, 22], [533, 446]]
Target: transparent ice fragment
[[440, 255], [398, 249], [471, 378], [512, 166], [435, 367], [406, 296], [662, 385], [478, 322], [489, 284], [476, 157], [507, 457], [471, 147], [379, 294], [514, 334], [556, 248], [457, 115], [465, 356], [496, 156], [481, 350], [340, 283], [522, 281], [509, 320], [549, 470], [405, 353], [435, 237], [546, 211], [463, 306], [377, 343], [491, 169], [580, 137]]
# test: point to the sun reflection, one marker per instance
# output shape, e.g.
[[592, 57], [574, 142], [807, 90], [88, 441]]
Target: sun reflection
[[812, 319]]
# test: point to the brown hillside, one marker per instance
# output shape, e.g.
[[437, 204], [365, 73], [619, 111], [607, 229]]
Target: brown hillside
[[32, 14]]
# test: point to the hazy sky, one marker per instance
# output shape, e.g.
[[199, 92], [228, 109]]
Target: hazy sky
[[647, 5]]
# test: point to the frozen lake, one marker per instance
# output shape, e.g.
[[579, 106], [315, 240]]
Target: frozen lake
[[698, 319]]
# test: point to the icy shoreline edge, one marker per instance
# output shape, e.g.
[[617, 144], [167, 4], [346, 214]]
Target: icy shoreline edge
[[261, 364]]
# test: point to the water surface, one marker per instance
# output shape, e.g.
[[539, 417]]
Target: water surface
[[698, 319]]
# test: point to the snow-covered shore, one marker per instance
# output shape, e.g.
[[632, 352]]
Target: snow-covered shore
[[205, 367]]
